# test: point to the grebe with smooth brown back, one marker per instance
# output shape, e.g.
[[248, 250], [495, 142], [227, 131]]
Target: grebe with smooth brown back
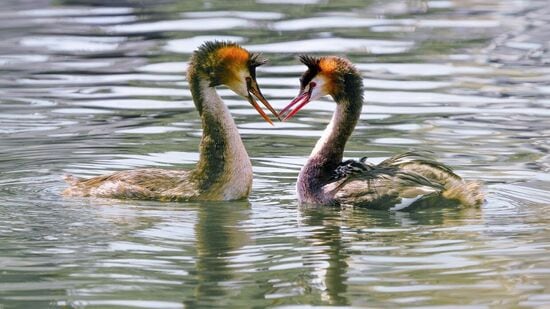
[[401, 181], [224, 170]]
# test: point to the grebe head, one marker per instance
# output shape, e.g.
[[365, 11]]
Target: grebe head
[[331, 75], [226, 63]]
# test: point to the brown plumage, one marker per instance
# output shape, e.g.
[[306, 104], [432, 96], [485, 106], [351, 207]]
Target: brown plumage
[[405, 180], [224, 171]]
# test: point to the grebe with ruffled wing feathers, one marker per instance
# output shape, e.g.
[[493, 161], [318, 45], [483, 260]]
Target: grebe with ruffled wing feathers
[[401, 181]]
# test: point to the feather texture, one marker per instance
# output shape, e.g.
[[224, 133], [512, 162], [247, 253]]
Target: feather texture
[[405, 180], [224, 170], [412, 176]]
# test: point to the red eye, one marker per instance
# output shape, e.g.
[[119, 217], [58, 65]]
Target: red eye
[[312, 84]]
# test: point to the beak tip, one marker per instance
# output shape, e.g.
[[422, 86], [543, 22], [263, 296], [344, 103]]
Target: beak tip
[[254, 91]]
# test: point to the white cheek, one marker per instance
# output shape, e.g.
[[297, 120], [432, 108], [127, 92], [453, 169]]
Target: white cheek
[[318, 91], [241, 90], [240, 86]]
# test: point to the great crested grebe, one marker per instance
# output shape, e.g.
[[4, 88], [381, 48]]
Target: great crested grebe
[[224, 171], [398, 182]]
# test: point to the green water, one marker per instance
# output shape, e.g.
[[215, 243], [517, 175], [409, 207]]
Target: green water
[[91, 86]]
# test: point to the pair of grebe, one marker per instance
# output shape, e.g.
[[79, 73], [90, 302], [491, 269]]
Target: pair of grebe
[[224, 170]]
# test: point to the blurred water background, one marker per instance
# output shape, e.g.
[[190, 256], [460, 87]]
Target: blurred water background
[[93, 86]]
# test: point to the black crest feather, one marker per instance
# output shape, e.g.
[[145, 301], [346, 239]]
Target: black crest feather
[[310, 61], [312, 64], [211, 46], [204, 60], [256, 60]]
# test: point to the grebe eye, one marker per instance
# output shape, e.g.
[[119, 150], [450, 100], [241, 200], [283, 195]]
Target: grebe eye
[[312, 84]]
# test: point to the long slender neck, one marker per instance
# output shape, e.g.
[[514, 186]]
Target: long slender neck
[[329, 149], [223, 158], [328, 152]]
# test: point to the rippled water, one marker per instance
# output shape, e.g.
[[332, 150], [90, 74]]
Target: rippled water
[[93, 86]]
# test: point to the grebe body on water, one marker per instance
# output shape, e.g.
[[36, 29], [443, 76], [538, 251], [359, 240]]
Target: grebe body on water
[[404, 180], [224, 170]]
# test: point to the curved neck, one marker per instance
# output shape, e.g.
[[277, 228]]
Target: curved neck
[[222, 153], [329, 150]]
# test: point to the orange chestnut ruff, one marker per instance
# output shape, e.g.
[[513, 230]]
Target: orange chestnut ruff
[[325, 69], [236, 59], [234, 55]]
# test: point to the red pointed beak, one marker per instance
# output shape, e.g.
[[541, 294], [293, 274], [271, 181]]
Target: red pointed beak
[[254, 89], [302, 99]]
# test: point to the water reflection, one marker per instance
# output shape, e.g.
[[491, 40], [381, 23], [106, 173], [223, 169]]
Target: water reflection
[[351, 250], [217, 236], [329, 256]]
